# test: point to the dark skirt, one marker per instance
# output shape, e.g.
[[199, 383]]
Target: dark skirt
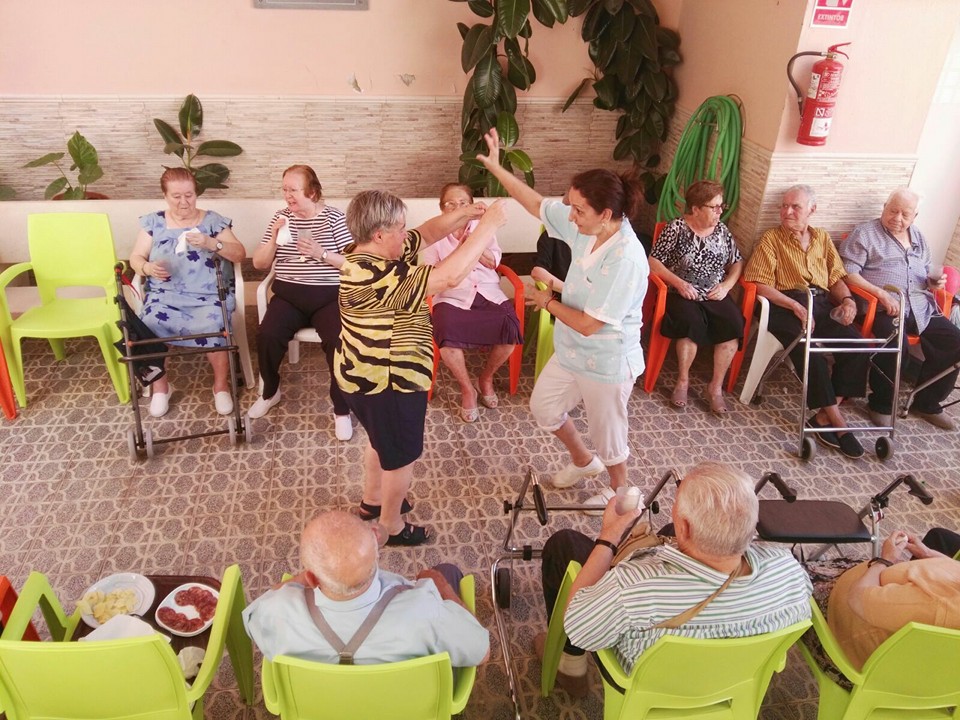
[[484, 324], [707, 322], [394, 422]]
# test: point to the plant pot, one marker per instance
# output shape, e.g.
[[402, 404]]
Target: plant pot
[[88, 195]]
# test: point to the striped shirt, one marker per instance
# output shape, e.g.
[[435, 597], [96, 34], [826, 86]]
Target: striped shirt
[[619, 609], [328, 228], [879, 258], [779, 261], [386, 337]]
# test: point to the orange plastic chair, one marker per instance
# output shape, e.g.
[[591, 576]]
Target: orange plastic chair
[[8, 598], [655, 307], [7, 403], [516, 357], [944, 300]]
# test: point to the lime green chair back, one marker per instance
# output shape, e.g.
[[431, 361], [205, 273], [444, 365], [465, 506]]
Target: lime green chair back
[[135, 678], [425, 688], [544, 338], [683, 677], [556, 637], [67, 250], [913, 675], [680, 677]]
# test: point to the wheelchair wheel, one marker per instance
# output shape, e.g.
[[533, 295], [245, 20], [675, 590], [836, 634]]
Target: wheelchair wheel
[[884, 447], [148, 442], [808, 449], [501, 587], [132, 444]]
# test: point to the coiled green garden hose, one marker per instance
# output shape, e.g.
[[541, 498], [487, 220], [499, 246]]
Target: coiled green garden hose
[[721, 115]]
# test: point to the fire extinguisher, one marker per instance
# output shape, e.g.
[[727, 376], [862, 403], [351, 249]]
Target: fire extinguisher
[[816, 113]]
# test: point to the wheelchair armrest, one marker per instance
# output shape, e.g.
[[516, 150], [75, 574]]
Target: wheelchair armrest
[[262, 294]]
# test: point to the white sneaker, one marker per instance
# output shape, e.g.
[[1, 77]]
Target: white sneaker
[[160, 402], [262, 406], [223, 402], [571, 474], [343, 427], [600, 500]]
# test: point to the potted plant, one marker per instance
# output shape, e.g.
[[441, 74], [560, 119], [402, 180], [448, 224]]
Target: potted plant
[[181, 144], [85, 161]]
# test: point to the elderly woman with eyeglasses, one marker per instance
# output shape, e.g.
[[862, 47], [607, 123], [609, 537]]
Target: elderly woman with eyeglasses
[[474, 314], [697, 257]]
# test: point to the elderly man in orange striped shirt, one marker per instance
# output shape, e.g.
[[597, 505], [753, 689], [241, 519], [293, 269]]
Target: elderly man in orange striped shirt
[[788, 260]]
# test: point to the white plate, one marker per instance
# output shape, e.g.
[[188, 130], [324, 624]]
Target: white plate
[[143, 591], [189, 610]]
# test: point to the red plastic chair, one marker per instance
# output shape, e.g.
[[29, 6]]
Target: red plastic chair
[[516, 357], [655, 307], [8, 598], [7, 403]]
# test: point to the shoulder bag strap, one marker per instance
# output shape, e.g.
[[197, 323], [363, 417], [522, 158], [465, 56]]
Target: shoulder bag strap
[[347, 650], [691, 612]]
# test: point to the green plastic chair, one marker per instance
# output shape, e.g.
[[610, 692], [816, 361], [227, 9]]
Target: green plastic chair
[[556, 637], [683, 677], [66, 250], [136, 678], [913, 675], [544, 338], [419, 689]]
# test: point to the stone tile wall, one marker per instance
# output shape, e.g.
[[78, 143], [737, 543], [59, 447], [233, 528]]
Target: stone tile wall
[[411, 147]]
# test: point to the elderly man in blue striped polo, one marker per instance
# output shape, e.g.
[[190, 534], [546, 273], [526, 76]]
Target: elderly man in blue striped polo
[[754, 589]]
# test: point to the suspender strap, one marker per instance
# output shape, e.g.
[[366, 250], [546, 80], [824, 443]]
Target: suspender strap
[[687, 615], [347, 650]]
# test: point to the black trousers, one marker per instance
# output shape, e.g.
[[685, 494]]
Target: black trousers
[[562, 547], [942, 540], [295, 306], [849, 377], [940, 342]]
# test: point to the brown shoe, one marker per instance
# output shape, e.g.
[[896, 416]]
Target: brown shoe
[[940, 419]]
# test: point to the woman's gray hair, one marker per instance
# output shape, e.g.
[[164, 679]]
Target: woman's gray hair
[[720, 506], [373, 210]]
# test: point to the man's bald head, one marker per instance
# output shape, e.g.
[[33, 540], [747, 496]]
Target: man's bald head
[[341, 552]]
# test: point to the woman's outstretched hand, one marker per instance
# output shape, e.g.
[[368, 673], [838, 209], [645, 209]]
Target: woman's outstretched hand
[[492, 158]]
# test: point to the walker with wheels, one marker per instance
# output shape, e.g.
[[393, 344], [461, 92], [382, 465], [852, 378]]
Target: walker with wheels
[[806, 448], [140, 440]]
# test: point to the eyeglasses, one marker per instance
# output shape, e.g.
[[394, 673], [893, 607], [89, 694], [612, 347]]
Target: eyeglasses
[[716, 208], [454, 204]]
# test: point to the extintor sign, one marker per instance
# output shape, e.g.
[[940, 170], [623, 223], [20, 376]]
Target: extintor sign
[[831, 13]]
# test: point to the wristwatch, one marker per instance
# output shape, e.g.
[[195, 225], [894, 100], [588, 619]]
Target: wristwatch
[[323, 257], [219, 246], [882, 561]]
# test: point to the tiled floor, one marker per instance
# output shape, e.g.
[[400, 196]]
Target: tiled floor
[[74, 506]]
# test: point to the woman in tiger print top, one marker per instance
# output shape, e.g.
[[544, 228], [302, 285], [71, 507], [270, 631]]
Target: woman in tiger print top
[[385, 359]]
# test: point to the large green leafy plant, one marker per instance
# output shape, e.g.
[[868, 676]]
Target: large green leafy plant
[[184, 145], [84, 160], [490, 96], [632, 57]]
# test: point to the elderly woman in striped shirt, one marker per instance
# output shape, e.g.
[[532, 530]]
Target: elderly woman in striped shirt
[[303, 243]]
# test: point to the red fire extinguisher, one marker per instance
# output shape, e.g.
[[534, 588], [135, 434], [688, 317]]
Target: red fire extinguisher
[[816, 113]]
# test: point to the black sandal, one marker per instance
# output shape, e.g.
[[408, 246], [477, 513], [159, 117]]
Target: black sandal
[[410, 535], [369, 512]]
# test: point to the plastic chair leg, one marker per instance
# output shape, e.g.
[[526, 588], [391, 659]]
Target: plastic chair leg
[[293, 352], [516, 360], [58, 347], [767, 347], [240, 648], [239, 327], [118, 373], [7, 403], [655, 357], [15, 368]]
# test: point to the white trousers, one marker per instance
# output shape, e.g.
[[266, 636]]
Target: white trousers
[[558, 391]]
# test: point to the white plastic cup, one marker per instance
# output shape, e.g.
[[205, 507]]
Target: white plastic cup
[[837, 313], [628, 498], [934, 274]]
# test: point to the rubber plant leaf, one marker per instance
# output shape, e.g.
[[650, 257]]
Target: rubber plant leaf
[[575, 94], [511, 15], [483, 8], [169, 136], [507, 128], [191, 116], [487, 80], [477, 43], [219, 148]]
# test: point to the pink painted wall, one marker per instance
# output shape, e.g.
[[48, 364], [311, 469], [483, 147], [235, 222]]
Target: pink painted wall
[[739, 47], [896, 58], [227, 47]]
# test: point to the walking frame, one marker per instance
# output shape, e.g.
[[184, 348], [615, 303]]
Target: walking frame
[[140, 439]]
